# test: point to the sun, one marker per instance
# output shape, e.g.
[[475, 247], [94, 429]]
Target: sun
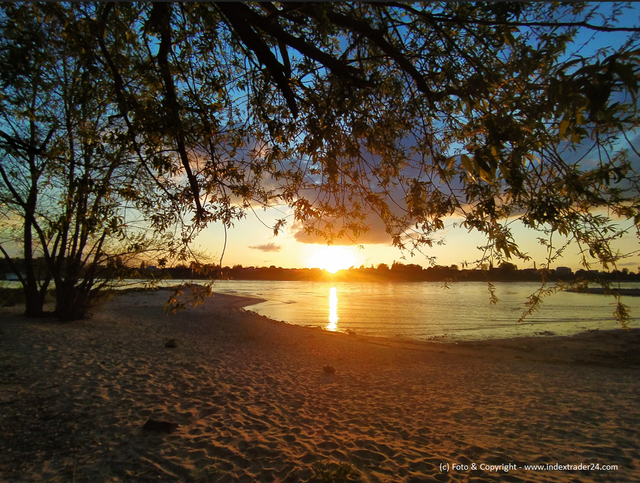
[[333, 258]]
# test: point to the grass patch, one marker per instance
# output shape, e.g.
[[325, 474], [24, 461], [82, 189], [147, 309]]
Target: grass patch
[[335, 472], [11, 296]]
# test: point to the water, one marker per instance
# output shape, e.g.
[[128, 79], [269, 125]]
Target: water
[[427, 311]]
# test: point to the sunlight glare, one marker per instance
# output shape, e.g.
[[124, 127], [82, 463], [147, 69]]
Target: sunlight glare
[[333, 310], [333, 258]]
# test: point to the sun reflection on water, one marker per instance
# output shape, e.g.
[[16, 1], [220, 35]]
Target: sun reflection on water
[[333, 310]]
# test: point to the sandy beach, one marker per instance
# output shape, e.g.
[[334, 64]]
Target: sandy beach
[[253, 403]]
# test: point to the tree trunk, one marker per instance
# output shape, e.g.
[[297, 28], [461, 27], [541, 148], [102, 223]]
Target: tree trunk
[[72, 302], [34, 300]]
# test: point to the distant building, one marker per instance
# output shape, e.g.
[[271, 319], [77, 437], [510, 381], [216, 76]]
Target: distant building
[[564, 271]]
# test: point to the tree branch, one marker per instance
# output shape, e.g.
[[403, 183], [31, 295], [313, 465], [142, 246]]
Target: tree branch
[[234, 14], [515, 23], [164, 28], [122, 102], [336, 66], [377, 37]]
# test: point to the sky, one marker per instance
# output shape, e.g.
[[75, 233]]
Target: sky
[[250, 242]]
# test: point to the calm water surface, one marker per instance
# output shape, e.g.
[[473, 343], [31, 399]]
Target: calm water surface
[[426, 310]]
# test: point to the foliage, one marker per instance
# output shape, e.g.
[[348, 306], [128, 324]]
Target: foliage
[[188, 294], [491, 112], [411, 112], [535, 299], [622, 313]]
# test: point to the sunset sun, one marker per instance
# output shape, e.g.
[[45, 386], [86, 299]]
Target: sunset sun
[[333, 258]]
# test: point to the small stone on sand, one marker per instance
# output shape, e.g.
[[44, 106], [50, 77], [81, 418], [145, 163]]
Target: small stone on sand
[[329, 369], [160, 426]]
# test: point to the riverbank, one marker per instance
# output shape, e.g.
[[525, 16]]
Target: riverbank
[[624, 292], [253, 402]]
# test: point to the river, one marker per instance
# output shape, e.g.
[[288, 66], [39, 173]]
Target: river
[[428, 311]]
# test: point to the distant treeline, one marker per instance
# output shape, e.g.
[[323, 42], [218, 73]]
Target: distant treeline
[[382, 273], [412, 272]]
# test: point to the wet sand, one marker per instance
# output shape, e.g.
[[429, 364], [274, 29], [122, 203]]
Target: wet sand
[[253, 402]]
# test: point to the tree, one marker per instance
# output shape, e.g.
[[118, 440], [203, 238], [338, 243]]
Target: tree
[[508, 267], [66, 175], [24, 137], [411, 112]]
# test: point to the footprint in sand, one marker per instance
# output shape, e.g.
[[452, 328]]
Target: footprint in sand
[[328, 445], [367, 455]]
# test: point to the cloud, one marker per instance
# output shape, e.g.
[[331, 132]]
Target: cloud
[[377, 235], [628, 264], [268, 247]]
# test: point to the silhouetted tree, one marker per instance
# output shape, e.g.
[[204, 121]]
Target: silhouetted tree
[[66, 173], [412, 112]]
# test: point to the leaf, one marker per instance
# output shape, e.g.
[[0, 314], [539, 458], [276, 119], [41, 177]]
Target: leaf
[[486, 176], [466, 162], [563, 127]]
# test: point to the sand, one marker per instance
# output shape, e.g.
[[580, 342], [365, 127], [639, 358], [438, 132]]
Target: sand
[[253, 402]]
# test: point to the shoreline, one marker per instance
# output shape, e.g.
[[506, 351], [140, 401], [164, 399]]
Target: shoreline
[[461, 337], [253, 402]]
